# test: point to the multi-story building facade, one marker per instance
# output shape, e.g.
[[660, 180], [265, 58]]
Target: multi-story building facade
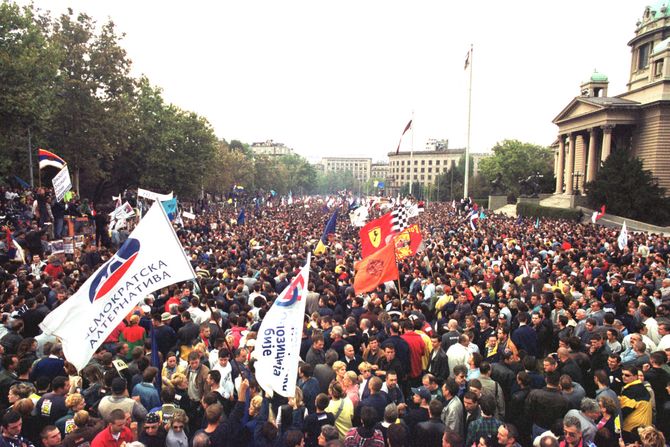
[[361, 168], [424, 167], [271, 149], [379, 171], [594, 125]]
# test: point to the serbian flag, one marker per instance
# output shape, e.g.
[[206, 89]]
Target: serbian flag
[[474, 219], [47, 158], [376, 269], [597, 215], [376, 234], [407, 127]]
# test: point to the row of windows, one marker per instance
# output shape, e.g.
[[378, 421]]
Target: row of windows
[[418, 177], [423, 162], [437, 170]]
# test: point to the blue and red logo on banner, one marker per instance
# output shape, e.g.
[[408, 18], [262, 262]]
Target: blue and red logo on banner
[[114, 269]]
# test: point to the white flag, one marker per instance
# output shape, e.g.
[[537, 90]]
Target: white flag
[[359, 216], [623, 237], [150, 259], [279, 338]]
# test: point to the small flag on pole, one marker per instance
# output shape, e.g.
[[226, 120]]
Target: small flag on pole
[[537, 223], [622, 240], [47, 158], [407, 127], [330, 229], [597, 215], [467, 60]]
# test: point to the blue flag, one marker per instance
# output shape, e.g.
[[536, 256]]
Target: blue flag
[[241, 218], [537, 223], [170, 207], [518, 219], [330, 229]]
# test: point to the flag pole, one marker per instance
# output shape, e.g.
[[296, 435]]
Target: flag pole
[[411, 158], [467, 147], [30, 158]]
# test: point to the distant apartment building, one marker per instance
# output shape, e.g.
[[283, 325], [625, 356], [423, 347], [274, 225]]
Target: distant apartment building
[[361, 168], [271, 149], [425, 166], [379, 171]]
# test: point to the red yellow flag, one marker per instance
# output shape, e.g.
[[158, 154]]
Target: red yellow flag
[[376, 269], [376, 234], [407, 242]]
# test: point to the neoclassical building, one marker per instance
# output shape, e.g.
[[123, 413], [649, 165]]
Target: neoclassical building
[[594, 125]]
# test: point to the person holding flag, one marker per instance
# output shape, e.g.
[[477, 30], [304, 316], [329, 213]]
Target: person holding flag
[[330, 229]]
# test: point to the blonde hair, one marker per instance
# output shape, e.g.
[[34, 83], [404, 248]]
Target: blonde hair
[[74, 400], [651, 437], [255, 405], [364, 366], [81, 418], [352, 376], [178, 379], [339, 365]]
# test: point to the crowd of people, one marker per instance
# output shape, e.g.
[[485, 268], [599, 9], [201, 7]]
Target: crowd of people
[[515, 333]]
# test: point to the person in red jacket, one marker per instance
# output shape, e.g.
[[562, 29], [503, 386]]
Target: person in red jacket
[[116, 433], [416, 350]]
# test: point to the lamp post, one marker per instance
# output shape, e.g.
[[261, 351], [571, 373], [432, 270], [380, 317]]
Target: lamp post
[[576, 177]]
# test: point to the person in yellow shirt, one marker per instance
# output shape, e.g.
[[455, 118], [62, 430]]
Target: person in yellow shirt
[[341, 408]]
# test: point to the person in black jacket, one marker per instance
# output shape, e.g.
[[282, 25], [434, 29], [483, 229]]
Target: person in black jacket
[[439, 363], [313, 423], [547, 405], [429, 433]]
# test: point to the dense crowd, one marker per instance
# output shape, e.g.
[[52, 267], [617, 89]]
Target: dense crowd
[[515, 333]]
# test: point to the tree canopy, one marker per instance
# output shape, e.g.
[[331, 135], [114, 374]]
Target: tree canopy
[[515, 160], [628, 190], [65, 82]]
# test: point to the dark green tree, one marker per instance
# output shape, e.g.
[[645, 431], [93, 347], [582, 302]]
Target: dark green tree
[[515, 160], [28, 68], [629, 190]]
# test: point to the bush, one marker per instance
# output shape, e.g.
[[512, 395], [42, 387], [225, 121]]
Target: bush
[[533, 210]]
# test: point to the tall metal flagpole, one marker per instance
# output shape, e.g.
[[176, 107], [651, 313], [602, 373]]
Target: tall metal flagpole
[[30, 159], [411, 158], [467, 147]]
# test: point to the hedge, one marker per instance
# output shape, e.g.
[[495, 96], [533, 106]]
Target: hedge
[[533, 210]]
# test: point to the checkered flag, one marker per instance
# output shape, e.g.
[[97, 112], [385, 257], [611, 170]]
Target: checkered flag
[[400, 219]]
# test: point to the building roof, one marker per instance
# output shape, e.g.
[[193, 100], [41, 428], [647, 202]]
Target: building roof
[[599, 104], [598, 77], [660, 9], [437, 152]]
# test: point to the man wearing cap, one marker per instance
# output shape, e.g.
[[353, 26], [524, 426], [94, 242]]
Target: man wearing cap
[[119, 400], [153, 434], [420, 413], [165, 335]]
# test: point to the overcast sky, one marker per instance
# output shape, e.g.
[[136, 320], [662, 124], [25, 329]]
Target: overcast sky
[[343, 78]]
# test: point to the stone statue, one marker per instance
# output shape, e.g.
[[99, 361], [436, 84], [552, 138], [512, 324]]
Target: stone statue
[[497, 185], [530, 187]]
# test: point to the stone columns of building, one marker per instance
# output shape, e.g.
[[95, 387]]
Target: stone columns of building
[[591, 164], [569, 178], [560, 166], [607, 142]]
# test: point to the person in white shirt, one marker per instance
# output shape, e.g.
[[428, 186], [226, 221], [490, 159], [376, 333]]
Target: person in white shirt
[[226, 388], [664, 333], [458, 353]]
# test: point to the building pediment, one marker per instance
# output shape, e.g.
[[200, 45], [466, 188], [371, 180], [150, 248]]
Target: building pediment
[[582, 106], [577, 107]]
